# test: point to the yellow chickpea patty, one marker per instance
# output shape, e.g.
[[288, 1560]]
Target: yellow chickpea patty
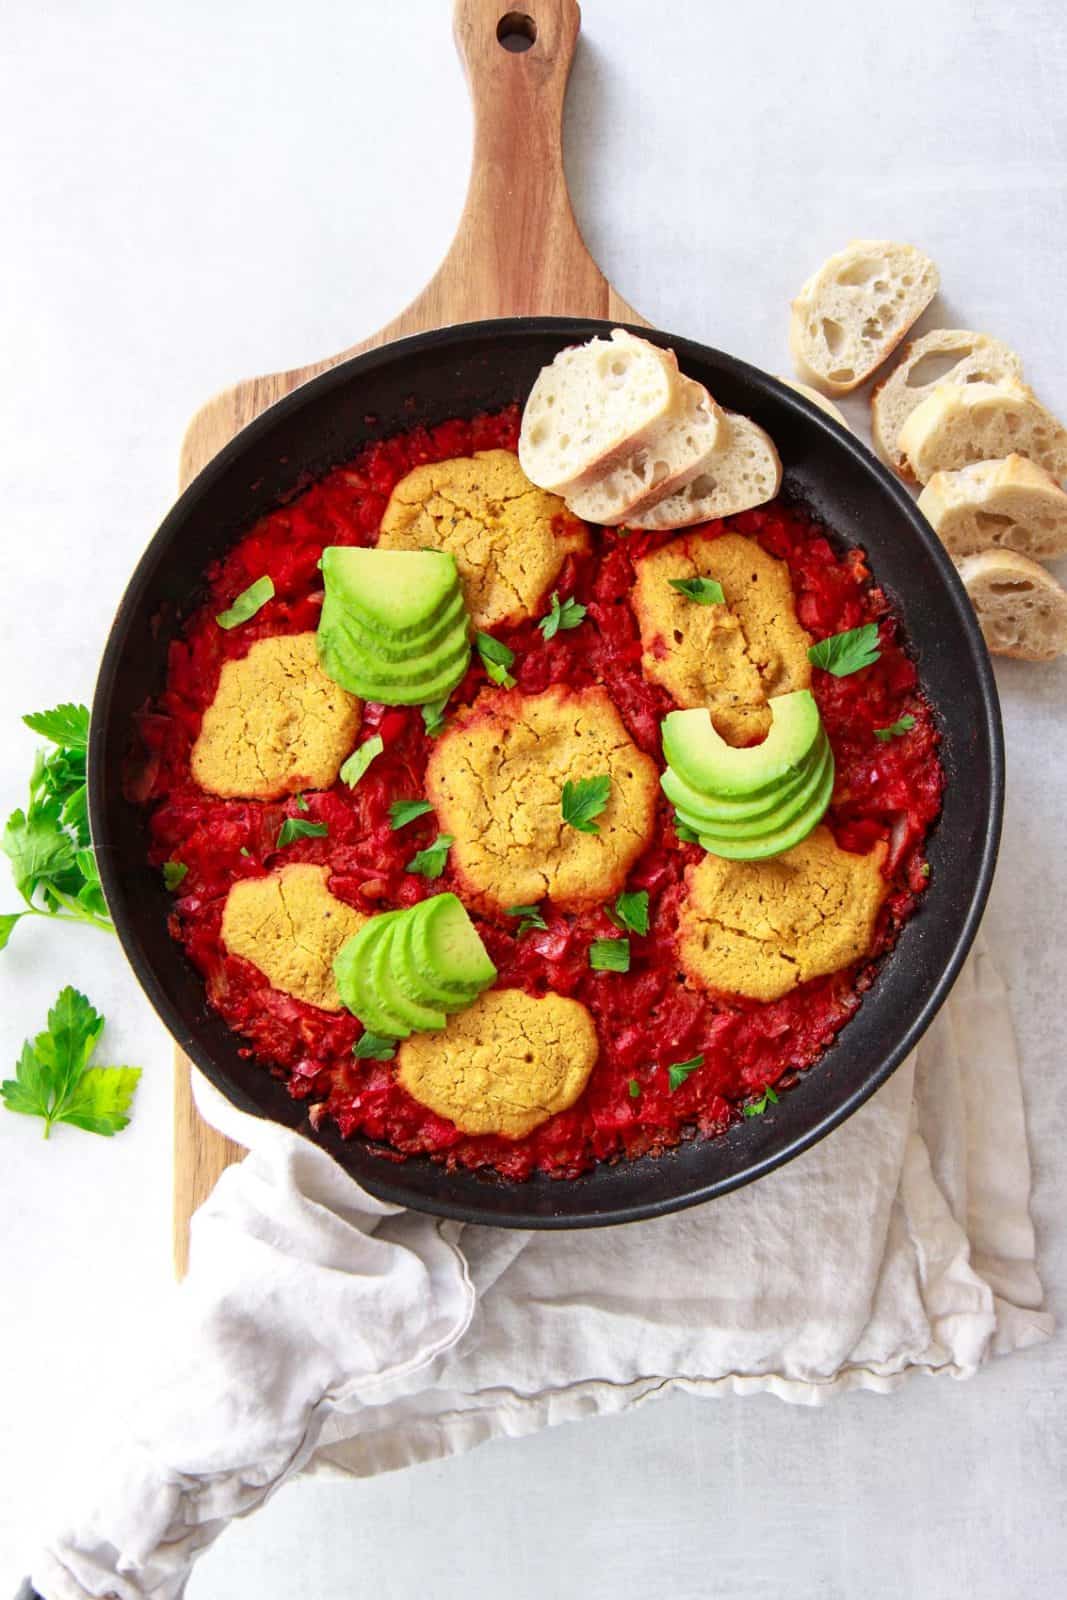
[[731, 657], [496, 779], [505, 1065], [759, 928], [277, 724], [290, 926], [509, 538]]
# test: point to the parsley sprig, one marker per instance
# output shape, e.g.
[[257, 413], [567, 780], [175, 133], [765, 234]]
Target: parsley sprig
[[705, 591], [496, 659], [296, 828], [630, 911], [374, 1047], [401, 812], [53, 1078], [48, 845], [529, 917], [893, 730], [247, 603], [568, 615], [361, 758], [756, 1108], [583, 800], [844, 653], [430, 863], [678, 1071]]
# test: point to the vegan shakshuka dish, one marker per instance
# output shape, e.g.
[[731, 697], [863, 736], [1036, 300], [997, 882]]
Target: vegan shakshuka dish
[[541, 788]]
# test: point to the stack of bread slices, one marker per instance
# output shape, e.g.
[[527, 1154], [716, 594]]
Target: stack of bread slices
[[956, 418], [624, 437]]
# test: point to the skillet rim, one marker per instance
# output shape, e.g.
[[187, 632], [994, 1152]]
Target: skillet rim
[[384, 1179]]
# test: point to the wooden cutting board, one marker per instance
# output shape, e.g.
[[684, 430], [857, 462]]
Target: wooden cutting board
[[517, 252]]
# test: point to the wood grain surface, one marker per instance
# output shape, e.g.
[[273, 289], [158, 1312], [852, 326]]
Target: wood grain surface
[[517, 251]]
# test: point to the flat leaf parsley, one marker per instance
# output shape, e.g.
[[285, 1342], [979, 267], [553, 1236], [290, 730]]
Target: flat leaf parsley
[[48, 845], [756, 1108], [430, 863], [631, 911], [848, 652], [401, 812], [296, 828], [902, 725], [53, 1079], [584, 800], [529, 917], [678, 1071], [248, 602], [361, 758], [567, 615], [705, 591], [496, 659], [610, 955]]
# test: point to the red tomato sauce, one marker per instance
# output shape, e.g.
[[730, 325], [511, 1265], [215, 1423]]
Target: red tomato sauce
[[646, 1018]]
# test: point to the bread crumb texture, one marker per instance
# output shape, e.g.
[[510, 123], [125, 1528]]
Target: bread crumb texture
[[277, 724], [496, 778], [760, 928], [505, 1065], [290, 927], [729, 657], [509, 539]]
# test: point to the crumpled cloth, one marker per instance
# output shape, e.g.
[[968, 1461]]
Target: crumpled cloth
[[319, 1329]]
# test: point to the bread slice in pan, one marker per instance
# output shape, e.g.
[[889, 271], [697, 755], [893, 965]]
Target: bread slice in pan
[[1021, 608], [948, 355], [680, 448], [961, 423], [851, 314], [595, 404], [1012, 505], [745, 471]]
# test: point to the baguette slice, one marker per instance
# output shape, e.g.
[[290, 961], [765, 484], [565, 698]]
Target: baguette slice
[[745, 471], [972, 358], [595, 404], [680, 449], [816, 398], [1010, 505], [961, 423], [1022, 610], [851, 314]]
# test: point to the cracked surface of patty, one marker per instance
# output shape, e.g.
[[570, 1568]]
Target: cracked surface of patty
[[509, 538], [277, 724], [508, 1063], [731, 657], [496, 778], [760, 928], [290, 927]]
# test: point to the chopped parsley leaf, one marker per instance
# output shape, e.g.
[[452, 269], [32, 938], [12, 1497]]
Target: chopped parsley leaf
[[430, 863], [902, 725], [173, 873], [568, 615], [401, 812], [631, 911], [756, 1108], [296, 828], [678, 1071], [361, 758], [374, 1047], [844, 653], [530, 917], [705, 591], [610, 955], [248, 602], [584, 800]]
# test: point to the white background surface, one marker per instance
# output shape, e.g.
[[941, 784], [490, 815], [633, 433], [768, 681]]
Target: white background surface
[[195, 193]]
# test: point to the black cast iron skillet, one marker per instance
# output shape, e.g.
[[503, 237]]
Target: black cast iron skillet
[[456, 372]]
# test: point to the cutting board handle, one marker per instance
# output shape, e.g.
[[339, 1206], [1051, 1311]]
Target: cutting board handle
[[517, 250]]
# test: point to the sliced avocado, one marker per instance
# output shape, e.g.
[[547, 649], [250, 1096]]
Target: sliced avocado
[[351, 969], [363, 665], [783, 804], [703, 759], [417, 692], [711, 810], [384, 647], [384, 977], [790, 808], [397, 593], [773, 844], [446, 949], [426, 989]]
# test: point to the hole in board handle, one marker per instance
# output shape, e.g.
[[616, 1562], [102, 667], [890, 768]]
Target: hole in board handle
[[516, 32]]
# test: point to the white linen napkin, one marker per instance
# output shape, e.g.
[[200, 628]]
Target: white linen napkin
[[319, 1329]]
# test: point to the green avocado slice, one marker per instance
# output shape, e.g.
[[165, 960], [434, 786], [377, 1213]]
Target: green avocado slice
[[789, 804], [775, 843], [384, 976], [374, 680], [348, 655], [351, 968], [427, 989], [711, 810], [702, 758], [397, 593], [446, 949], [389, 648]]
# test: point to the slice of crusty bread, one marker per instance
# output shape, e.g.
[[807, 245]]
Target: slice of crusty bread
[[961, 423], [815, 397], [680, 448], [948, 355], [745, 471], [1012, 505], [1021, 608], [851, 314], [594, 404]]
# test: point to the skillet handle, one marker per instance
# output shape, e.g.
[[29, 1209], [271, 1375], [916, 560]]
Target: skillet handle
[[518, 251]]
